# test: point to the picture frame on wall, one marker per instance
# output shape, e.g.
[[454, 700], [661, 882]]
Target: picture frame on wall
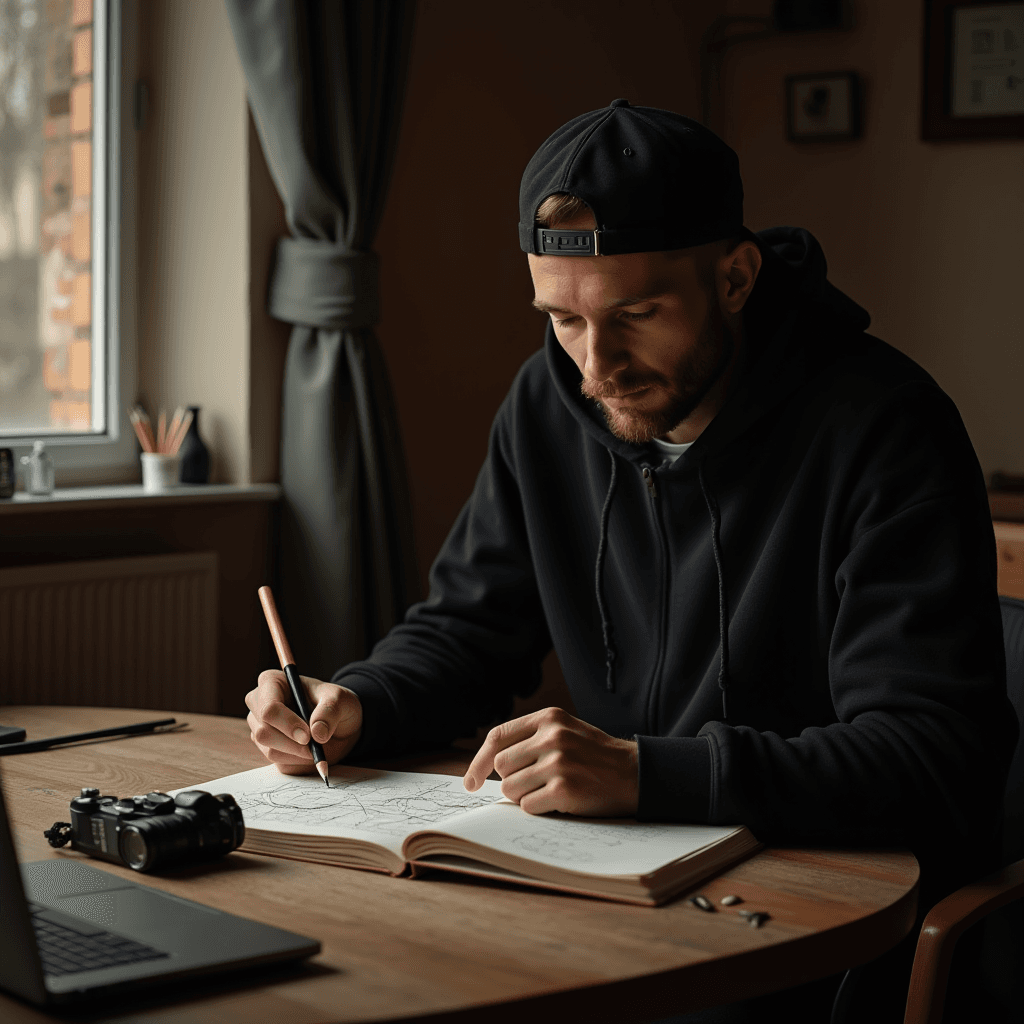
[[823, 107], [973, 70]]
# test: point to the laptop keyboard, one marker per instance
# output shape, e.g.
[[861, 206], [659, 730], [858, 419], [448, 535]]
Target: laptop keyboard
[[70, 944]]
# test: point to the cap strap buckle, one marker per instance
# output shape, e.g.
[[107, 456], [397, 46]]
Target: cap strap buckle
[[567, 242]]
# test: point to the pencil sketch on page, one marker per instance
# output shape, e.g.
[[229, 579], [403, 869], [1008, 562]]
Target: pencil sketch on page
[[581, 842], [553, 842], [387, 804], [604, 846]]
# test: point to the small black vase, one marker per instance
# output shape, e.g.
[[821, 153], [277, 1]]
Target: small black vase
[[195, 456]]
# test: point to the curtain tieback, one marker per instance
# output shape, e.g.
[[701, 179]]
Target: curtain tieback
[[318, 284]]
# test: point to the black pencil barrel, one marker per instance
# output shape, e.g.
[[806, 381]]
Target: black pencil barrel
[[302, 706]]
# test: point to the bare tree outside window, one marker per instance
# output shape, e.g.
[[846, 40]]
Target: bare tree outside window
[[46, 358]]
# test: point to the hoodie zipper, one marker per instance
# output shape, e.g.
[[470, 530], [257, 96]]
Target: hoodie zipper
[[648, 474]]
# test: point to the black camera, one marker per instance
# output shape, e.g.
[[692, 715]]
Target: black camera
[[152, 831]]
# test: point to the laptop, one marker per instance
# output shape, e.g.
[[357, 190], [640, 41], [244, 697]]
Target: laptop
[[73, 933]]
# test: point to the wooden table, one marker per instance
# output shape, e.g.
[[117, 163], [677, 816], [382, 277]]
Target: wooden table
[[458, 949]]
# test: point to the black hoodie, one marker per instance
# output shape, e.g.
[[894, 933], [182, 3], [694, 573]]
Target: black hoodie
[[797, 619]]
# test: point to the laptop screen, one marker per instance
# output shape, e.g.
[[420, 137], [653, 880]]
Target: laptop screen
[[20, 969]]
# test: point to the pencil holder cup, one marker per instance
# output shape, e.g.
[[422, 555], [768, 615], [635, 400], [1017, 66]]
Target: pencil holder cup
[[159, 472]]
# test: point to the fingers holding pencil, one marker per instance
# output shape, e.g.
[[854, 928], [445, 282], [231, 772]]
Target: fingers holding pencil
[[283, 737]]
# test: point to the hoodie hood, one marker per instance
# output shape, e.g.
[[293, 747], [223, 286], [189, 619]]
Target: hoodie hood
[[791, 292]]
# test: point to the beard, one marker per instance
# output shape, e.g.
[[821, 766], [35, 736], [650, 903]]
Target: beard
[[694, 376]]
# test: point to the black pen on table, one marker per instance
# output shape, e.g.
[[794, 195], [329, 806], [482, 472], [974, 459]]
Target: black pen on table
[[291, 673], [31, 746]]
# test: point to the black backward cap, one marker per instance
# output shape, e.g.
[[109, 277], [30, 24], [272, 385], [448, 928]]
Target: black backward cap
[[655, 180]]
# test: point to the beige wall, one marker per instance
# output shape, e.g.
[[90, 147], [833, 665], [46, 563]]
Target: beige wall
[[193, 213], [926, 236]]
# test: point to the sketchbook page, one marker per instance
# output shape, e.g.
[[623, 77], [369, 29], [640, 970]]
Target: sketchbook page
[[598, 846], [362, 803]]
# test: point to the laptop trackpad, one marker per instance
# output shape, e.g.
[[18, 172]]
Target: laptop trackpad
[[46, 880], [193, 933], [156, 918], [126, 907]]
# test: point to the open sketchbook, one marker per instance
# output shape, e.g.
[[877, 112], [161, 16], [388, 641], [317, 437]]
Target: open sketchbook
[[401, 821]]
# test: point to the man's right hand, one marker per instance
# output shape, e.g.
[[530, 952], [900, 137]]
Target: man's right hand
[[282, 735]]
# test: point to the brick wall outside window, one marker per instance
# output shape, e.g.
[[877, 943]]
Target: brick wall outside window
[[46, 119], [65, 247]]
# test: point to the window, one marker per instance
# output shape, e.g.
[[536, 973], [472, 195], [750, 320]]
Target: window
[[62, 360]]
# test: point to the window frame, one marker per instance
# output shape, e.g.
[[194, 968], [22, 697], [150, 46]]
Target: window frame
[[110, 454]]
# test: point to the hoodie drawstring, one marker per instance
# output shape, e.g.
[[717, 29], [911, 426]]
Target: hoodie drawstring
[[602, 547], [723, 625]]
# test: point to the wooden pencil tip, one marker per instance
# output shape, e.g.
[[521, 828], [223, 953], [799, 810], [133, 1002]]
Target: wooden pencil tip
[[321, 767]]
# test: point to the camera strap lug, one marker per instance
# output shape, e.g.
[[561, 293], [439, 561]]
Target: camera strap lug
[[59, 835]]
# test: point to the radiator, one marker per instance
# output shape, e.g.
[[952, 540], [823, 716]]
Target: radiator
[[128, 632]]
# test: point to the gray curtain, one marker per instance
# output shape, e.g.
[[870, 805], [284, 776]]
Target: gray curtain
[[326, 80]]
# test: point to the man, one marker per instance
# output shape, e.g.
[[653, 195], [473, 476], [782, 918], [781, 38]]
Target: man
[[757, 537]]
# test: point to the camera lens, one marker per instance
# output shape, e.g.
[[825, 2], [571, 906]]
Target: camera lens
[[134, 848], [199, 828], [149, 843]]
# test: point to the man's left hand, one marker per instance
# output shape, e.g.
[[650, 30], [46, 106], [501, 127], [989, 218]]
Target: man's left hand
[[550, 761]]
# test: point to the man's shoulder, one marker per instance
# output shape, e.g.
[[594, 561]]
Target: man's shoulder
[[868, 371], [872, 393]]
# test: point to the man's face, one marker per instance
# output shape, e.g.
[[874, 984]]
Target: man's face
[[645, 329]]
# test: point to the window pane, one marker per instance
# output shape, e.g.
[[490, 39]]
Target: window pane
[[46, 121]]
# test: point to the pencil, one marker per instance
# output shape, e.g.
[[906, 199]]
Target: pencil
[[183, 426], [147, 429], [139, 432], [284, 652], [172, 430]]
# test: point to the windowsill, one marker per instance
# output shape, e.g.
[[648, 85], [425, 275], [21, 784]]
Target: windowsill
[[133, 496]]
